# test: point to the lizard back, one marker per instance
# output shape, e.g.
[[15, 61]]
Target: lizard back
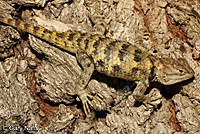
[[118, 58]]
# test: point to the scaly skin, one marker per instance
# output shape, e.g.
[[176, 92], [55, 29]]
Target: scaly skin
[[111, 57]]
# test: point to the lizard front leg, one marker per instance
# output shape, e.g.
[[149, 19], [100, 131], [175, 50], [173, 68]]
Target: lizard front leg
[[139, 91], [81, 83]]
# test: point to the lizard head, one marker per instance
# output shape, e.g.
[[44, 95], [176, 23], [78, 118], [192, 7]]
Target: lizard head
[[170, 71]]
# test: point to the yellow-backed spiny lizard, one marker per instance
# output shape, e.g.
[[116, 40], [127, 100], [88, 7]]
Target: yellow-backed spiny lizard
[[111, 57]]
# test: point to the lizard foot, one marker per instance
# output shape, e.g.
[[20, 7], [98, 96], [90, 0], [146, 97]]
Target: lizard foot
[[147, 102], [151, 101], [84, 97]]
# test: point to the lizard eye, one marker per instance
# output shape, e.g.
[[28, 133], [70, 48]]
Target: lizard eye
[[181, 72]]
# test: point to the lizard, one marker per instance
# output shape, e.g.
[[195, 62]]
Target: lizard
[[111, 57]]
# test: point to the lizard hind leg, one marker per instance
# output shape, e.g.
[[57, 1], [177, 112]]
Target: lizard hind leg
[[82, 82], [97, 19]]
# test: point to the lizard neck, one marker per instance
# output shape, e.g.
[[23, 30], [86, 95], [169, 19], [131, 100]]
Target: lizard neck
[[157, 68], [155, 61]]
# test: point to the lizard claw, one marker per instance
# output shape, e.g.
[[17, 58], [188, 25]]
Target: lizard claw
[[72, 94]]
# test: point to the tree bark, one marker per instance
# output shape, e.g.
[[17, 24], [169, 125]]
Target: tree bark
[[36, 76]]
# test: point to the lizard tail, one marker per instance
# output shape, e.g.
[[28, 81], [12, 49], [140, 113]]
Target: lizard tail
[[59, 39]]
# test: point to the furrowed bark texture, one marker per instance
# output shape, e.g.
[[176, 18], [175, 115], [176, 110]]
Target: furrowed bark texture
[[35, 76]]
